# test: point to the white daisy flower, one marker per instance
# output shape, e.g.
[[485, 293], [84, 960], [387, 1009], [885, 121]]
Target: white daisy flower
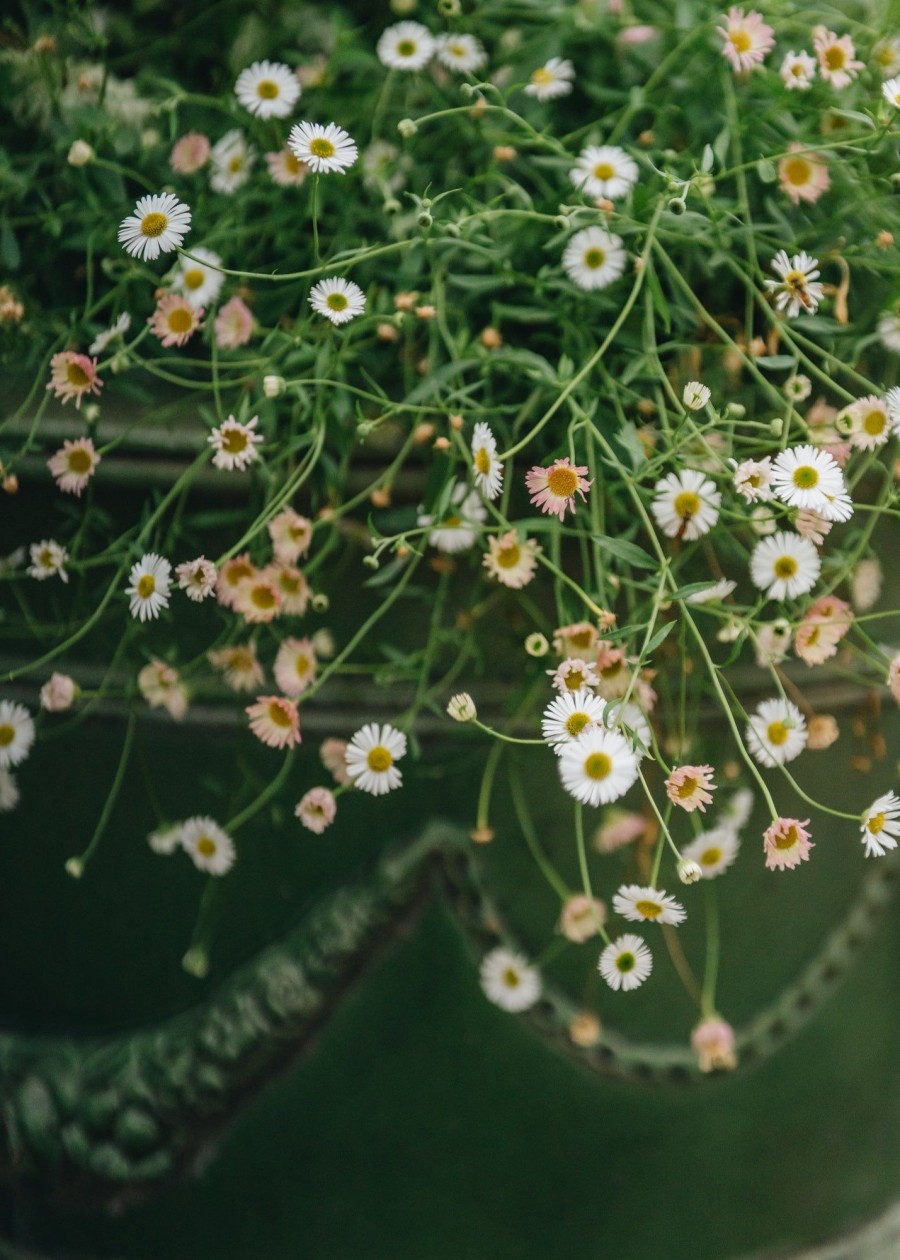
[[48, 559], [752, 478], [325, 150], [338, 300], [798, 287], [486, 467], [598, 767], [508, 981], [118, 329], [371, 755], [806, 477], [785, 565], [269, 89], [198, 278], [594, 258], [604, 171], [16, 733], [457, 530], [149, 589], [686, 504], [798, 71], [9, 791], [460, 52], [881, 825], [892, 402], [713, 850], [159, 225], [551, 80], [776, 732], [868, 422], [626, 963], [210, 848], [568, 715], [230, 162], [891, 91], [889, 330], [405, 46], [235, 444], [648, 905]]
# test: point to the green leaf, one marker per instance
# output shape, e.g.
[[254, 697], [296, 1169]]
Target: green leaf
[[662, 633], [692, 588], [776, 362], [660, 305], [627, 552]]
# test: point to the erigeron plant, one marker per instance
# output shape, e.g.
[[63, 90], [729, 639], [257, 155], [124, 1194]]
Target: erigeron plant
[[637, 345]]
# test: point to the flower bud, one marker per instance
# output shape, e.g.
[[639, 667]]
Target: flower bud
[[407, 127], [273, 386], [537, 645], [689, 872], [462, 708], [80, 153]]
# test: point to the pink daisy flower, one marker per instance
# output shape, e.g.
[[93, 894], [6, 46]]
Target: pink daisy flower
[[73, 375], [573, 674], [803, 176], [553, 489], [275, 721], [73, 465], [823, 626], [837, 57], [334, 758], [291, 535], [713, 1043], [197, 578], [190, 154], [614, 671], [239, 665], [258, 599], [316, 810], [286, 169], [233, 325], [292, 586], [810, 524], [577, 639], [786, 844], [747, 38], [174, 321], [690, 787], [232, 575], [621, 828], [295, 666]]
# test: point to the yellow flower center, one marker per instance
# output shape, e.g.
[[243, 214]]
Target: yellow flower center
[[574, 680], [154, 224], [777, 733], [625, 963], [511, 978], [146, 585], [604, 170], [598, 766], [337, 301], [542, 77], [508, 557], [406, 47], [77, 376], [234, 441], [193, 279], [7, 735], [292, 163], [648, 909], [875, 824], [709, 857], [206, 846], [785, 567], [687, 505], [798, 171], [805, 477], [301, 665], [236, 163], [795, 281], [263, 597], [180, 320], [741, 40], [788, 839], [687, 788], [237, 571], [267, 89], [562, 482], [321, 148], [576, 723], [482, 461], [379, 759], [835, 57], [279, 716], [875, 423], [79, 460], [594, 257]]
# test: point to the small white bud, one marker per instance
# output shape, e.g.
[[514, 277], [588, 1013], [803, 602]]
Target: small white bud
[[689, 872], [80, 153], [273, 386], [695, 396], [462, 708], [537, 645]]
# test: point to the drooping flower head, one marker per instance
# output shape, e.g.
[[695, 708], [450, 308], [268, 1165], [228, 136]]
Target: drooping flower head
[[231, 162], [190, 153], [316, 809], [486, 467], [648, 905], [234, 324], [786, 844], [714, 850]]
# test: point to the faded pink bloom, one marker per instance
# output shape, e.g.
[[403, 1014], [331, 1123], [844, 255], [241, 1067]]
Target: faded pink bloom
[[581, 918], [839, 451], [553, 489], [174, 321], [577, 639], [295, 666], [333, 754], [772, 641], [614, 671], [190, 153], [821, 732], [837, 57], [291, 535], [161, 687], [58, 692], [798, 71], [233, 325], [621, 828], [197, 578], [809, 524], [73, 465], [786, 843], [232, 575], [316, 809], [691, 787], [803, 176], [239, 665], [286, 169], [713, 1043], [73, 375], [893, 678], [275, 721], [292, 586], [747, 38], [821, 414], [634, 36], [258, 599], [572, 674], [752, 478], [823, 626]]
